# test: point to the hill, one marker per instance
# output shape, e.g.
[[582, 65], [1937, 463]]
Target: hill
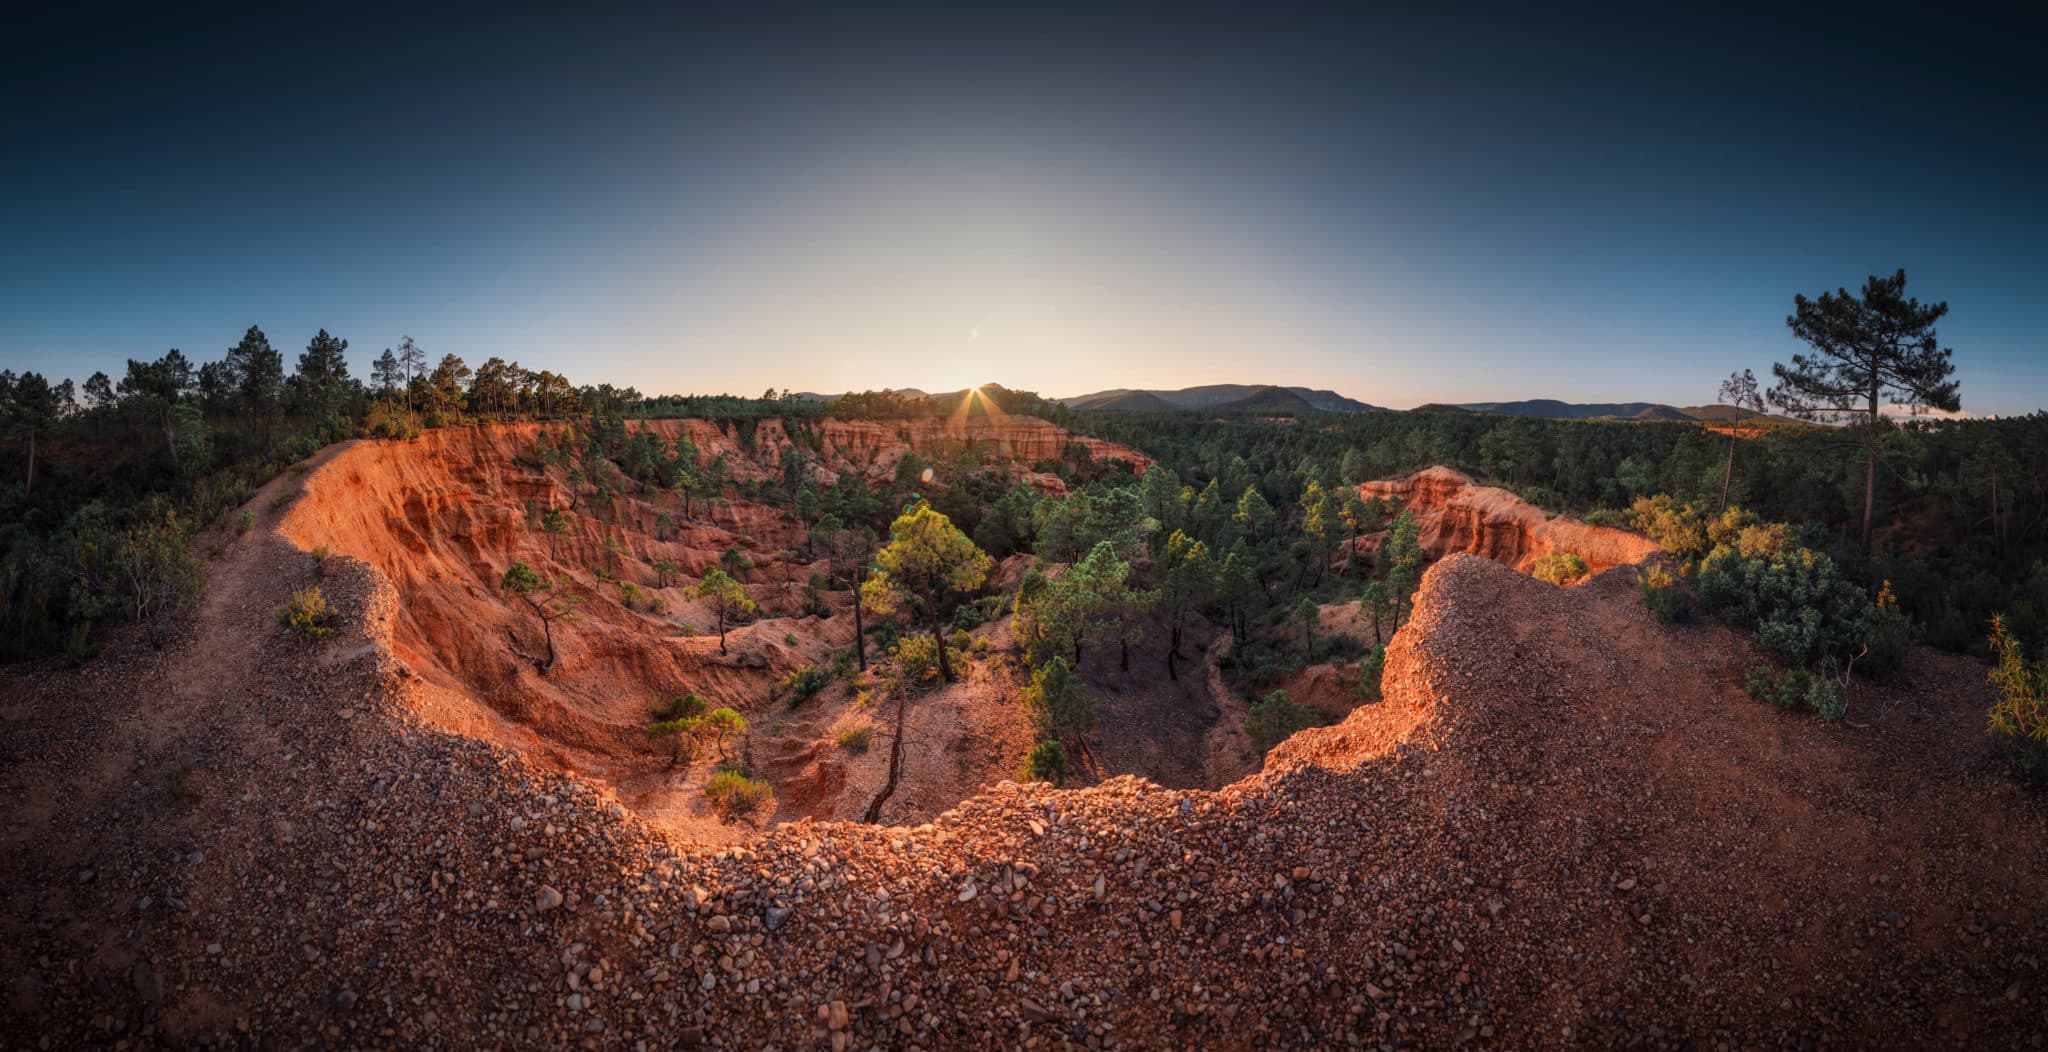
[[1552, 409], [1269, 401], [1214, 396]]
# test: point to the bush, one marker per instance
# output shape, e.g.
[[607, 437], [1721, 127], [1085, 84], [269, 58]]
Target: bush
[[2019, 716], [805, 683], [1047, 762], [966, 617], [853, 734], [244, 521], [1607, 517], [1827, 694], [1677, 528], [1661, 592], [1797, 689], [917, 659], [1784, 688], [1795, 600], [308, 614], [389, 421], [319, 555], [682, 706], [733, 793], [1558, 568], [1276, 717]]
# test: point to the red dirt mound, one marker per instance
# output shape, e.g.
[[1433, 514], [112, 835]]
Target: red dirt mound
[[1459, 515]]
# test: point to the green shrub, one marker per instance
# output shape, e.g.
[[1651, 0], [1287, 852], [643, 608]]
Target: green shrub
[[319, 555], [917, 659], [1827, 694], [1795, 600], [389, 421], [853, 734], [1608, 517], [244, 520], [1677, 528], [805, 683], [308, 614], [682, 706], [1796, 689], [1661, 592], [2019, 716], [733, 793], [1276, 717], [1558, 568], [1047, 762], [1057, 701]]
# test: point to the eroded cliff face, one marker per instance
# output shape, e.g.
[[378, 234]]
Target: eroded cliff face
[[444, 516], [1459, 515]]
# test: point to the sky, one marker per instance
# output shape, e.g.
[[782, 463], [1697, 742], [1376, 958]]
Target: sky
[[1463, 205]]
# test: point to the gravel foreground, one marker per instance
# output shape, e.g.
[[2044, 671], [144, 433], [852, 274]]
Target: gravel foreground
[[1562, 829]]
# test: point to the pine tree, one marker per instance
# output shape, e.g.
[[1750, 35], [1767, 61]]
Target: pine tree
[[256, 370], [926, 555], [1876, 346], [323, 372]]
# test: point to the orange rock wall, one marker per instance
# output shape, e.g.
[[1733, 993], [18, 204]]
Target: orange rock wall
[[1459, 515]]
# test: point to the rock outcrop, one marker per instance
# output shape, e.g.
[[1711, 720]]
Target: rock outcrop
[[1459, 515]]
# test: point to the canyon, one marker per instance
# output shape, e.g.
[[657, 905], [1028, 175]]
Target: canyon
[[404, 835]]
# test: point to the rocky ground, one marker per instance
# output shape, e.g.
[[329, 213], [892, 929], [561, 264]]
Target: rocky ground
[[1564, 827]]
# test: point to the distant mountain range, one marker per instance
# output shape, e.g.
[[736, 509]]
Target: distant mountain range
[[1222, 398], [1552, 409], [1270, 400]]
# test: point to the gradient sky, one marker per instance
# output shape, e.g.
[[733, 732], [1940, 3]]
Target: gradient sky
[[1466, 207]]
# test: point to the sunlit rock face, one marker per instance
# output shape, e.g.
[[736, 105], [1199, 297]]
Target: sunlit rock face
[[1459, 515]]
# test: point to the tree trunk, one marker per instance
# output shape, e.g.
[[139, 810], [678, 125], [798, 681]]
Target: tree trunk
[[547, 631], [1728, 475], [721, 627], [1870, 466]]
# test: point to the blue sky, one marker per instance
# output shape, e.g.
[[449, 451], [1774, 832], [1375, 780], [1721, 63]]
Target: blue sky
[[1466, 207]]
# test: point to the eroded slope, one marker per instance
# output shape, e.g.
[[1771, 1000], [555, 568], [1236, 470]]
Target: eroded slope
[[1532, 843]]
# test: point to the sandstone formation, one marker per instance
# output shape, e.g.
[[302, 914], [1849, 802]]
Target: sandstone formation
[[1459, 515]]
